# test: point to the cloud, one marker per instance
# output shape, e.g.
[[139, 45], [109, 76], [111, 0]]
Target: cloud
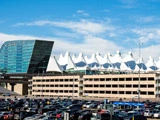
[[106, 10], [83, 26], [144, 19], [148, 34], [89, 45], [128, 3], [82, 12], [146, 52]]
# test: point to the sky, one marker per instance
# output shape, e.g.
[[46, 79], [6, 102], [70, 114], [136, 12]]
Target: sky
[[87, 26]]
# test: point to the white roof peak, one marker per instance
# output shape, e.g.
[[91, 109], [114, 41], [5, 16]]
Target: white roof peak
[[130, 53], [53, 65], [118, 52], [150, 57], [70, 64], [97, 53], [109, 54], [67, 54]]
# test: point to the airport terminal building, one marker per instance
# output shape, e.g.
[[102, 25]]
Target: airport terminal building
[[19, 58], [25, 56], [81, 76]]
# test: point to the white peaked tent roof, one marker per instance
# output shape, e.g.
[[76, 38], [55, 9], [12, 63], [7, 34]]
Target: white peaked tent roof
[[136, 68], [149, 69], [106, 60], [129, 57], [74, 58], [129, 61], [70, 64], [141, 63], [140, 60], [117, 58], [82, 68], [53, 65], [80, 58], [110, 68], [91, 60], [110, 57], [158, 63], [63, 60], [116, 69], [151, 62], [124, 67], [95, 67], [99, 58]]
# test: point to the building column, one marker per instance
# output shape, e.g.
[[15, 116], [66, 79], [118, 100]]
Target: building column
[[12, 86], [6, 85]]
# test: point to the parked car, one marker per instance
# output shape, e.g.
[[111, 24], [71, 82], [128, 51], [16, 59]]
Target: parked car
[[140, 111], [6, 94], [85, 116], [156, 114], [135, 117], [149, 113]]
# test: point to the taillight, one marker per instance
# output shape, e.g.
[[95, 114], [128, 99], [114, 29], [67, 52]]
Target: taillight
[[5, 117]]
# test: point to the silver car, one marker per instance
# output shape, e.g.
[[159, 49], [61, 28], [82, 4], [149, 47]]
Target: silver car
[[156, 114], [149, 113]]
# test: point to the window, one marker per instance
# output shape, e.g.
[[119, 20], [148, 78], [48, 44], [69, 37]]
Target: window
[[128, 92], [114, 79], [121, 86], [101, 85], [114, 85], [143, 86], [95, 85], [95, 91], [108, 92], [143, 79], [96, 79], [102, 79], [128, 86], [121, 92], [47, 80], [143, 93], [135, 79], [101, 92], [108, 79], [121, 79], [150, 86], [108, 85], [128, 79], [114, 92], [150, 93], [151, 79], [135, 86]]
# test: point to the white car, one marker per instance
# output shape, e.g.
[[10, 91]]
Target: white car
[[149, 113], [156, 114]]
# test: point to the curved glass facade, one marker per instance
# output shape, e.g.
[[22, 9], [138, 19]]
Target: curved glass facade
[[25, 56]]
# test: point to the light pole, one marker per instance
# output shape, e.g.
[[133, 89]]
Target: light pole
[[139, 91]]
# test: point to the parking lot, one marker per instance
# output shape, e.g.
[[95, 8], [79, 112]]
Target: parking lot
[[22, 107]]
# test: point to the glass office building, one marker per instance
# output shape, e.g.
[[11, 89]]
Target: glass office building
[[25, 56]]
